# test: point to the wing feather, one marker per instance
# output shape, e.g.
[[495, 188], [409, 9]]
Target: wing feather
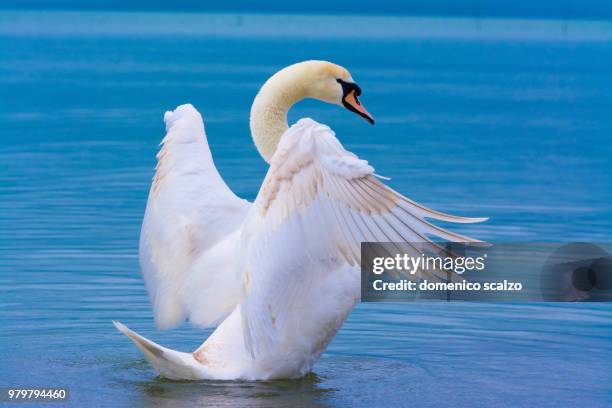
[[189, 212], [317, 204]]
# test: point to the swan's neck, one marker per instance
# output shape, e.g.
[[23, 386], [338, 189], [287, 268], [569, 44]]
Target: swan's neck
[[270, 107]]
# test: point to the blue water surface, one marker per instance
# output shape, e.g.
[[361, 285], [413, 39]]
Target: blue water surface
[[508, 119]]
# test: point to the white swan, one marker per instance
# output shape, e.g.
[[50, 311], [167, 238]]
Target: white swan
[[280, 274]]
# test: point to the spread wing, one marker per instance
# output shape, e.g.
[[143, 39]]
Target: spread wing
[[317, 204], [190, 215]]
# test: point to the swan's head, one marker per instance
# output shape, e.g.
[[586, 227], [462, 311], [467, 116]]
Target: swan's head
[[332, 83], [320, 80]]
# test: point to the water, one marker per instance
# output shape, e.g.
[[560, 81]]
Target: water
[[502, 118]]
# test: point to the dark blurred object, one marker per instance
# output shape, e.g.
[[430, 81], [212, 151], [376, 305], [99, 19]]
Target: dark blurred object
[[577, 272]]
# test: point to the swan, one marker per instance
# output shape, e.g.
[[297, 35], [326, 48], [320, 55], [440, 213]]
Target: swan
[[278, 276]]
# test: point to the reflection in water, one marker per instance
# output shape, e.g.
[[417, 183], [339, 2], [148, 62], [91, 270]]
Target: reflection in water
[[300, 392]]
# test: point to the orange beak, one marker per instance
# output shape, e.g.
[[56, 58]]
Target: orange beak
[[351, 102]]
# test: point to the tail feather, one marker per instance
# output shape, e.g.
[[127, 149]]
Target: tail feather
[[169, 363]]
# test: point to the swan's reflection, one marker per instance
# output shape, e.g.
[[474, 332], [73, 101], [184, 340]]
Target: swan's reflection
[[303, 392]]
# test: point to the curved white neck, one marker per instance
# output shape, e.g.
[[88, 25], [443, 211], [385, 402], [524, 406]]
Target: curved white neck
[[308, 79], [269, 111]]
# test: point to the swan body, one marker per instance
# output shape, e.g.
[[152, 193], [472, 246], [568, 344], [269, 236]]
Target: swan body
[[279, 276]]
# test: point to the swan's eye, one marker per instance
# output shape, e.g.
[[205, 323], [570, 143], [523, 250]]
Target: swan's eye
[[347, 87]]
